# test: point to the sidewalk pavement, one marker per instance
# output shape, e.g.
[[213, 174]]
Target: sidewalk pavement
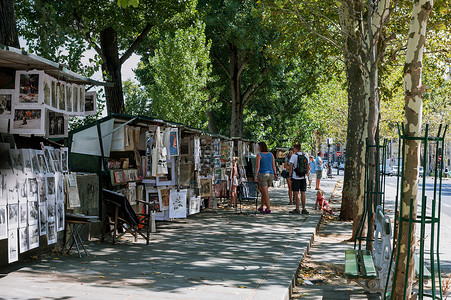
[[210, 255]]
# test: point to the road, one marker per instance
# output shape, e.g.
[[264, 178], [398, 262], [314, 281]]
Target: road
[[445, 215]]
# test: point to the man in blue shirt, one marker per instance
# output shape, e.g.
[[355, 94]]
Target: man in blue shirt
[[312, 172]]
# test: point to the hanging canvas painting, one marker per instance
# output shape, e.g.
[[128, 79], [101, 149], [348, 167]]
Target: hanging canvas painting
[[177, 204], [6, 97], [28, 121]]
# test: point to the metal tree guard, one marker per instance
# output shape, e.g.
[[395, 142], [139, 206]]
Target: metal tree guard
[[425, 217]]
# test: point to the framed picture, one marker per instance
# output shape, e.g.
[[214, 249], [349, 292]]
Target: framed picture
[[61, 86], [28, 121], [42, 161], [163, 197], [56, 124], [153, 200], [69, 98], [206, 189], [47, 90], [30, 87], [174, 142], [6, 98], [168, 179], [75, 97], [177, 204], [90, 103], [54, 103], [82, 98]]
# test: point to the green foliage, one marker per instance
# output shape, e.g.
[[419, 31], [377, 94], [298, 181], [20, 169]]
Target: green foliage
[[175, 78], [75, 122], [127, 3]]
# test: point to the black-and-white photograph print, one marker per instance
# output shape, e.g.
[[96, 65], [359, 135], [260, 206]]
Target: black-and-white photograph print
[[42, 218], [57, 124], [56, 156], [22, 188], [34, 161], [33, 212], [12, 189], [68, 97], [5, 164], [61, 96], [48, 159], [51, 209], [32, 189], [3, 223], [51, 232], [26, 160], [16, 159], [33, 234], [13, 243], [13, 215], [50, 183], [3, 190], [6, 97], [43, 168], [90, 101], [23, 214], [59, 179], [42, 189], [47, 89], [23, 239], [60, 216], [64, 159]]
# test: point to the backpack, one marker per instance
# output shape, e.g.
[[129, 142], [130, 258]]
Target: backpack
[[302, 166]]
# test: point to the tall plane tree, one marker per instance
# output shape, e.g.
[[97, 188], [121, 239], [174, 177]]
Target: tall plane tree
[[8, 30], [115, 33]]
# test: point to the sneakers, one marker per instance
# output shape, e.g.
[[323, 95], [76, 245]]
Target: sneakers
[[305, 212], [295, 211], [260, 209], [267, 211]]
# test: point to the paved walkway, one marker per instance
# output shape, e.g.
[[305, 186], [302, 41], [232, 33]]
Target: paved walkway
[[210, 255]]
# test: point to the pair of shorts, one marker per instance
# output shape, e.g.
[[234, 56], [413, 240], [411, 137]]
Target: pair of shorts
[[311, 176], [299, 185], [265, 179], [319, 174]]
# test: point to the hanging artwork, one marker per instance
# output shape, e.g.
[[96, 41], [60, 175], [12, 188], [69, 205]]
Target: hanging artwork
[[30, 85], [50, 184], [174, 142], [196, 153], [23, 214], [60, 216], [33, 235], [56, 124], [32, 189], [194, 205], [48, 159], [69, 98], [13, 245], [13, 215], [90, 103], [177, 204], [51, 231], [206, 189], [6, 97], [33, 212], [61, 96], [73, 197], [169, 178], [163, 196], [42, 189], [28, 121], [26, 161], [65, 159], [42, 218], [13, 189], [47, 90], [54, 103], [23, 239], [42, 162], [34, 161], [153, 200], [75, 97], [17, 160], [3, 223]]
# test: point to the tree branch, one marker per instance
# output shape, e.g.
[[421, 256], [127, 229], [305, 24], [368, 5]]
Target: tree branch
[[243, 65], [225, 101], [136, 43], [222, 66], [253, 89]]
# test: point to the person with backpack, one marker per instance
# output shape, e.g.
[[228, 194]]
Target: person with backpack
[[265, 170], [299, 168], [319, 169]]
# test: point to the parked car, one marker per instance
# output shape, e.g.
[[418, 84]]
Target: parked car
[[395, 170], [420, 171], [341, 166]]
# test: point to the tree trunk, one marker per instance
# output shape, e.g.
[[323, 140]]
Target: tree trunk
[[413, 91], [8, 30], [236, 122], [212, 126], [111, 68], [353, 186]]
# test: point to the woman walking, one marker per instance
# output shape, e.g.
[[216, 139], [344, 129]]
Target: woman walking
[[265, 169]]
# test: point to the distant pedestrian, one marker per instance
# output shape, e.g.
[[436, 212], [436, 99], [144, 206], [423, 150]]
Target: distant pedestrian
[[319, 169], [287, 176], [312, 172], [321, 202], [265, 170], [299, 182], [235, 184]]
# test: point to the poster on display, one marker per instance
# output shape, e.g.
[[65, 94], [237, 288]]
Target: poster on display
[[33, 212], [64, 159], [13, 246], [56, 155], [50, 184], [23, 214], [206, 188], [73, 197], [33, 235], [69, 98], [23, 239], [61, 86], [3, 223], [90, 103], [169, 178], [13, 216], [154, 201], [196, 153], [6, 98], [32, 189], [163, 197], [174, 142], [42, 190], [177, 204], [28, 121], [47, 90], [42, 162], [56, 124], [42, 218], [34, 161], [194, 205], [48, 159], [30, 86], [51, 231], [13, 189], [22, 188]]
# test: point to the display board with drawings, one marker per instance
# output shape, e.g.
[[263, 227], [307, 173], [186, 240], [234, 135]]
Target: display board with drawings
[[32, 197], [41, 104]]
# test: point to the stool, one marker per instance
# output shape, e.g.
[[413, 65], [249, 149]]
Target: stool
[[76, 223]]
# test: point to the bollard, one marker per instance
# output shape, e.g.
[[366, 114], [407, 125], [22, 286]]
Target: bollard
[[153, 227]]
